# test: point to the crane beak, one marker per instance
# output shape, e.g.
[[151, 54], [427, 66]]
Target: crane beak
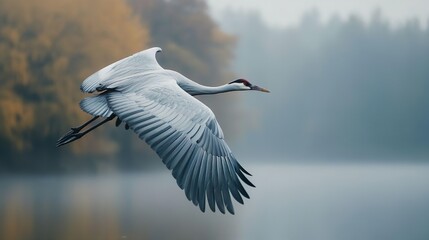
[[259, 89]]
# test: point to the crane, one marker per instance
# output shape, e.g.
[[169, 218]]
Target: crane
[[158, 105]]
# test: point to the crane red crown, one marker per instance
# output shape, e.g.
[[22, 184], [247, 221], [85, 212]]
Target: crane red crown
[[243, 81]]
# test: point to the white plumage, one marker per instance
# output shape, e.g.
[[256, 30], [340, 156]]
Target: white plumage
[[157, 105]]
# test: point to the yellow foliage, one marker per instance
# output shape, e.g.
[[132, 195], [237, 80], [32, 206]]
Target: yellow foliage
[[48, 47], [16, 118]]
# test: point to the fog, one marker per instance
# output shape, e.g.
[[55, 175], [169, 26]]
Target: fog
[[282, 13], [338, 150], [342, 89]]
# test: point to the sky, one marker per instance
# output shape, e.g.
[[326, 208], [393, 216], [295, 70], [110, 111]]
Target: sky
[[288, 12]]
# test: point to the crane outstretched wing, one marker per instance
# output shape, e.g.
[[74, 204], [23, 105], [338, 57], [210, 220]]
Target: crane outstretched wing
[[122, 70], [186, 136]]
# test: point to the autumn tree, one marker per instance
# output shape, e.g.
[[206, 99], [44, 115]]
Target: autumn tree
[[47, 48]]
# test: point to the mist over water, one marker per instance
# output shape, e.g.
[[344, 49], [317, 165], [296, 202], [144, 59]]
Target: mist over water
[[385, 201]]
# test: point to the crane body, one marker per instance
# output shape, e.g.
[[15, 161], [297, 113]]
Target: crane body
[[158, 105]]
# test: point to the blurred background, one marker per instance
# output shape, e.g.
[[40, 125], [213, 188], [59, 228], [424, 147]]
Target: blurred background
[[339, 149]]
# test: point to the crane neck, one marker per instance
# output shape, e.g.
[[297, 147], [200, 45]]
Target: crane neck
[[204, 90], [194, 88]]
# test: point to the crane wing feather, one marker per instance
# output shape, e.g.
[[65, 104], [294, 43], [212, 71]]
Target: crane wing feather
[[96, 106], [138, 63], [185, 134]]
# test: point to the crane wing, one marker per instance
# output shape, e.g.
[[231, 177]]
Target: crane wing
[[96, 105], [186, 136], [123, 69]]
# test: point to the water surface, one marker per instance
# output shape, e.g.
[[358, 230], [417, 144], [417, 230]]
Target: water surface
[[389, 201]]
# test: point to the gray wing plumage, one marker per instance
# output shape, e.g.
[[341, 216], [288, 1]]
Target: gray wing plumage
[[96, 105], [188, 139], [182, 130]]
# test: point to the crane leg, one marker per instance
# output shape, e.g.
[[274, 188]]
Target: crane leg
[[78, 129], [75, 133]]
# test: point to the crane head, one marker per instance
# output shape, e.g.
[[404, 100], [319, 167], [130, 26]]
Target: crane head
[[243, 84]]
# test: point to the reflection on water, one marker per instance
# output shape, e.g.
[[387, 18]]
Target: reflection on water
[[147, 206], [290, 202]]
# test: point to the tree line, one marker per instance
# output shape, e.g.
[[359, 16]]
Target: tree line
[[48, 47]]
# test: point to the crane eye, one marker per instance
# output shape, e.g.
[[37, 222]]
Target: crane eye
[[243, 81]]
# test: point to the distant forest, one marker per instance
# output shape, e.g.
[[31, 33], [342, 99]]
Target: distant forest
[[344, 88], [48, 47]]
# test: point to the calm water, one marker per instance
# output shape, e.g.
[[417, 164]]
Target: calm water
[[290, 202]]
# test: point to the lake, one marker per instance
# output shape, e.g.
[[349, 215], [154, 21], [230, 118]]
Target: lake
[[290, 201]]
